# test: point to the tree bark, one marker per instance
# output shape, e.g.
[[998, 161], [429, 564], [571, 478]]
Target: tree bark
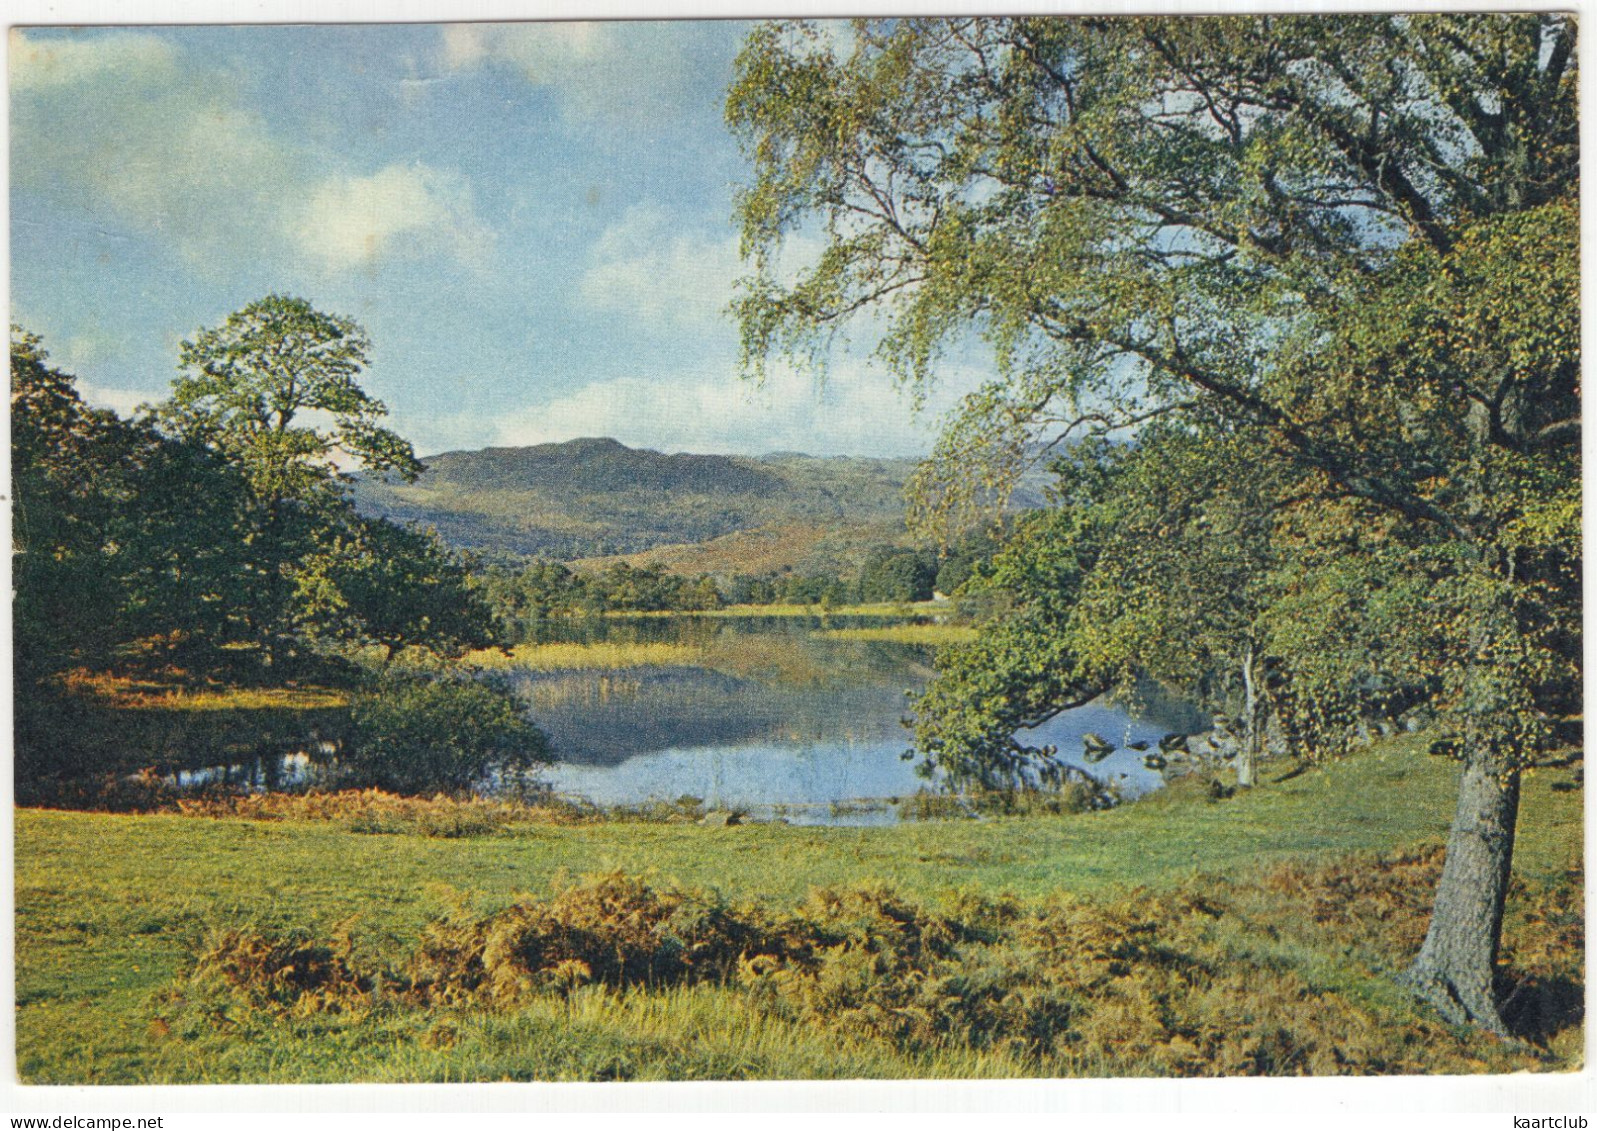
[[1456, 967], [1248, 748]]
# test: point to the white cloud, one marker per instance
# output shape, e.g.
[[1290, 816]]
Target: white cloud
[[648, 268], [124, 402], [349, 221], [125, 131], [41, 64], [857, 411], [151, 149], [546, 52], [643, 268], [627, 70]]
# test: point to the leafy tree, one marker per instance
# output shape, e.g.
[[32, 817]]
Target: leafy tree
[[1184, 575], [815, 589], [120, 534], [897, 574], [1024, 667], [273, 392], [1196, 218], [67, 488], [1467, 362], [972, 551], [751, 589], [378, 583], [249, 386]]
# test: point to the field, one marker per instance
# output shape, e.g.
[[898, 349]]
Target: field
[[1069, 945]]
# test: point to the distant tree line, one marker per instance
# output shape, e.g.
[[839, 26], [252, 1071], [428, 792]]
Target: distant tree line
[[543, 588]]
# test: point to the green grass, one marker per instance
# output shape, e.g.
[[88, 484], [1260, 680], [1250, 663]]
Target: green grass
[[110, 908]]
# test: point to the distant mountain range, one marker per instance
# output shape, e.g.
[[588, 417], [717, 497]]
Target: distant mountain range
[[594, 497]]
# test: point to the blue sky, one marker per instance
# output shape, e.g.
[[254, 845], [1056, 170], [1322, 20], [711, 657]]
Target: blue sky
[[532, 221]]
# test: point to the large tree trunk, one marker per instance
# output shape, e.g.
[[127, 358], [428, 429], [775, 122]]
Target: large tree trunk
[[1457, 965]]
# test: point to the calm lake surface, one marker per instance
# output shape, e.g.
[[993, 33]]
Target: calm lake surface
[[778, 718]]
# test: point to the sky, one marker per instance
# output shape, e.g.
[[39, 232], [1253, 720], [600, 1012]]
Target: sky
[[533, 222]]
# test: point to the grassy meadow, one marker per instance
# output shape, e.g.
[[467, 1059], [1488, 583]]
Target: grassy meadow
[[1176, 935]]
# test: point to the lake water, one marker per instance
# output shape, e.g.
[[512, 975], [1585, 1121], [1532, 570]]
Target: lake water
[[777, 717], [781, 720]]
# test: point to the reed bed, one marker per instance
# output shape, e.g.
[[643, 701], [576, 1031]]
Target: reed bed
[[929, 635], [589, 657]]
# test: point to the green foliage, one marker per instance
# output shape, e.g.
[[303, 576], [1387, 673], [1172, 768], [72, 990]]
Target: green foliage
[[374, 582], [448, 732], [276, 361], [1023, 668], [216, 534], [120, 533], [898, 575], [1349, 241], [967, 557], [1299, 237], [544, 588]]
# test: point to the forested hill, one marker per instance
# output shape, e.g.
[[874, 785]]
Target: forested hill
[[596, 496]]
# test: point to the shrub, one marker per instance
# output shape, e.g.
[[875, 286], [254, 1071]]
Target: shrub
[[421, 732], [614, 929], [293, 975]]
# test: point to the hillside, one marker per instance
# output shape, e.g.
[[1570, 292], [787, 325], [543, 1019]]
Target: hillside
[[593, 497], [599, 499], [804, 548]]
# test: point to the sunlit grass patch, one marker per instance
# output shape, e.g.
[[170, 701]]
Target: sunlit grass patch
[[933, 635], [579, 657], [875, 609], [126, 692], [764, 657]]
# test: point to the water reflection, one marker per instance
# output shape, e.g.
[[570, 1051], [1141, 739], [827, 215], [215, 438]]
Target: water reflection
[[611, 718], [776, 719], [780, 722]]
